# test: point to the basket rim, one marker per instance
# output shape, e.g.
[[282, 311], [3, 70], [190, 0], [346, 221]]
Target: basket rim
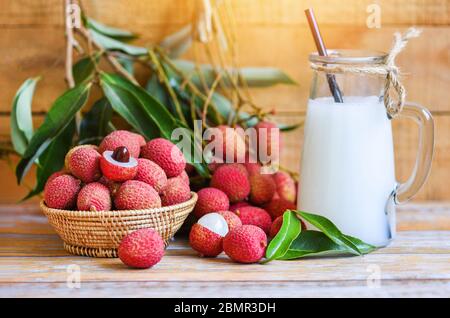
[[119, 213]]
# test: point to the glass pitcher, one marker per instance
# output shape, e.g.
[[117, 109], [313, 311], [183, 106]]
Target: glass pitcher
[[347, 170]]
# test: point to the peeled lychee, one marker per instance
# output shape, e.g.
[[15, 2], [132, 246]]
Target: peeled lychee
[[262, 188], [149, 172], [122, 138], [278, 222], [285, 186], [175, 191], [83, 162], [233, 180], [136, 195], [255, 216], [238, 205], [207, 234], [141, 249], [61, 192], [165, 154], [94, 197], [269, 139], [210, 200], [118, 165], [245, 244], [277, 206], [232, 219]]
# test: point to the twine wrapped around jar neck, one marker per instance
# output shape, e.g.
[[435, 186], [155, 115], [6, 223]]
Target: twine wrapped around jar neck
[[392, 84]]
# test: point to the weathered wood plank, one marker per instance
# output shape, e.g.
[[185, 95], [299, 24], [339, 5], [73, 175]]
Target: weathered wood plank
[[26, 55], [284, 12], [225, 289]]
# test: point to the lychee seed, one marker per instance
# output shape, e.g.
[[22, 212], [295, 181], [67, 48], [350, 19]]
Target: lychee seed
[[121, 154]]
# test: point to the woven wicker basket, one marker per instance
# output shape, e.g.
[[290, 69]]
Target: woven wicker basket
[[98, 234]]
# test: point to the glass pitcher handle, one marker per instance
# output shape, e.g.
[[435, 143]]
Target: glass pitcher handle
[[423, 118]]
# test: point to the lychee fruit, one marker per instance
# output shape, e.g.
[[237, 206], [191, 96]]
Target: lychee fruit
[[165, 154], [238, 205], [207, 234], [94, 197], [268, 138], [285, 186], [278, 222], [122, 138], [113, 186], [149, 172], [255, 216], [175, 191], [136, 195], [61, 192], [210, 200], [140, 139], [231, 142], [245, 244], [83, 162], [252, 168], [233, 180], [118, 165], [184, 176], [232, 219], [262, 188], [213, 166], [53, 176], [141, 249], [278, 206]]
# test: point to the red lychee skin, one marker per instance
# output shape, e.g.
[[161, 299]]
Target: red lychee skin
[[166, 155], [94, 197], [245, 244], [140, 139], [277, 207], [136, 195], [253, 168], [114, 172], [184, 177], [210, 200], [61, 192], [141, 249], [233, 143], [232, 219], [113, 186], [204, 241], [285, 186], [149, 172], [213, 166], [262, 188], [83, 162], [233, 180], [175, 191], [278, 222], [53, 176], [265, 127], [238, 205], [122, 138], [255, 216]]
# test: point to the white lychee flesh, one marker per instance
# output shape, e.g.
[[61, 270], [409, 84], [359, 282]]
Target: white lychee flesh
[[130, 164], [215, 223]]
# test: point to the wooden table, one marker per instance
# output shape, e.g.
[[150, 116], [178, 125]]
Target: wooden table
[[34, 264]]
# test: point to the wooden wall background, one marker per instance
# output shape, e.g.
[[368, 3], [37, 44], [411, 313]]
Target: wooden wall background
[[270, 33]]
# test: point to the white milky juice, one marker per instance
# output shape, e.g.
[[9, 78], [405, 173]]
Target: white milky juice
[[347, 172]]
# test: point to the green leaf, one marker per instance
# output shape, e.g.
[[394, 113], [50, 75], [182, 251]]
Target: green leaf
[[52, 159], [83, 69], [285, 128], [94, 125], [315, 243], [21, 118], [127, 64], [225, 108], [330, 230], [254, 76], [59, 116], [141, 110], [178, 42], [289, 230], [114, 45], [112, 32], [157, 90]]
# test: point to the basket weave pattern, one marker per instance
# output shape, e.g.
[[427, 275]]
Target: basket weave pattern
[[98, 234]]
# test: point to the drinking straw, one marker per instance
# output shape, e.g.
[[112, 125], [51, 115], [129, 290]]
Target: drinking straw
[[321, 49]]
